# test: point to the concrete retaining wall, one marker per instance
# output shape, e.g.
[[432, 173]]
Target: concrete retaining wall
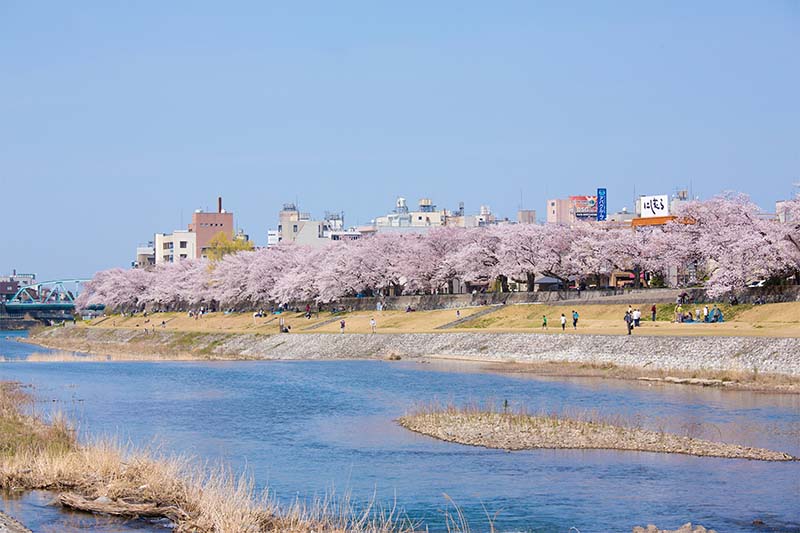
[[766, 355], [451, 301]]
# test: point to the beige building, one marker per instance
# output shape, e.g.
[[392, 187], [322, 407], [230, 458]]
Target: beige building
[[175, 246], [297, 227], [526, 216], [145, 256], [559, 211]]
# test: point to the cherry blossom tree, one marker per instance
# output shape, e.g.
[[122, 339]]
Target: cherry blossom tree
[[724, 239], [729, 241]]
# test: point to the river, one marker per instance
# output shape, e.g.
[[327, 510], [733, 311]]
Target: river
[[307, 427]]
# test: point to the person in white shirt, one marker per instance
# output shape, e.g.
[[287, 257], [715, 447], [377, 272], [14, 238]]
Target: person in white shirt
[[373, 324], [563, 322]]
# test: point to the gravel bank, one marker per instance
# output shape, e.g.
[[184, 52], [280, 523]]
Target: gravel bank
[[9, 525], [685, 528], [523, 432], [741, 354]]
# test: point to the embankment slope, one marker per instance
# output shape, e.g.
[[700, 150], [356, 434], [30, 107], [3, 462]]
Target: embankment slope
[[698, 353]]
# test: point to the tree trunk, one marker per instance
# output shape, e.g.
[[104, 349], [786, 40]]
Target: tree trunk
[[530, 280], [503, 283]]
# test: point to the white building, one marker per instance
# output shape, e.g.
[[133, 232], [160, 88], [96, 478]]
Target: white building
[[404, 219], [782, 211], [296, 227], [175, 246]]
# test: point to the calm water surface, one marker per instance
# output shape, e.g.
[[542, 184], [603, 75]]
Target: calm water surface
[[307, 427]]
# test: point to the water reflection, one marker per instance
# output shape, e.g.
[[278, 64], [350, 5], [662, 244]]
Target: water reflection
[[304, 427]]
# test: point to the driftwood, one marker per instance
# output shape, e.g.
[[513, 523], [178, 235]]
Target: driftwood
[[688, 381], [122, 508]]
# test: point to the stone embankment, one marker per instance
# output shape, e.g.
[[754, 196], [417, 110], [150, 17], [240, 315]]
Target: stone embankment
[[764, 355], [524, 432]]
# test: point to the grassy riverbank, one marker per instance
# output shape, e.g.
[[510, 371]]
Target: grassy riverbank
[[518, 430], [770, 320], [106, 477]]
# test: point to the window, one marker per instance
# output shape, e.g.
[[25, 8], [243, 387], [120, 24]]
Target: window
[[280, 228], [294, 228], [183, 256], [183, 244], [165, 246]]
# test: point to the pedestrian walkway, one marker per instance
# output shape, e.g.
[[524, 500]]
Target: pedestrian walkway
[[464, 320]]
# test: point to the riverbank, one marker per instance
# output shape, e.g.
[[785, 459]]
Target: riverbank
[[741, 362], [520, 431], [108, 478], [744, 320], [9, 525]]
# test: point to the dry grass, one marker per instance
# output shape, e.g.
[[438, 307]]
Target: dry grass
[[23, 433], [517, 429], [775, 320], [63, 356], [357, 321], [107, 476], [771, 320]]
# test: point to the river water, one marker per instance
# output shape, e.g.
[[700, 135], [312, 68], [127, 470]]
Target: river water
[[307, 427]]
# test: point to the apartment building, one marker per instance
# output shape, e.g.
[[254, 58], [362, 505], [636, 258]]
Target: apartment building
[[175, 246]]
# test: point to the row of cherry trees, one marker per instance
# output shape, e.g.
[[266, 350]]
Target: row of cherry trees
[[724, 239]]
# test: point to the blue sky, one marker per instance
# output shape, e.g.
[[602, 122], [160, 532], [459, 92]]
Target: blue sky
[[117, 119]]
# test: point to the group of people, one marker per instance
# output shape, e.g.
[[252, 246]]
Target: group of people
[[705, 314], [197, 313], [575, 317], [373, 325]]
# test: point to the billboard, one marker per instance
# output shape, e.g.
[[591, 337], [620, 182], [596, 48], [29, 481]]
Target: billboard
[[584, 207], [654, 206], [602, 204]]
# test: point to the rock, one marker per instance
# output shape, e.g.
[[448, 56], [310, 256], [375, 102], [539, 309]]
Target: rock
[[685, 528]]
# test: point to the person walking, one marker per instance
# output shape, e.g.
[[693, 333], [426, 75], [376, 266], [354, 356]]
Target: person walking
[[373, 325], [629, 321], [653, 312], [341, 326], [563, 322], [705, 313], [574, 319], [544, 321], [637, 317]]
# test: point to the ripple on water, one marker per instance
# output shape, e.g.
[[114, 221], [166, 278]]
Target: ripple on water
[[304, 427]]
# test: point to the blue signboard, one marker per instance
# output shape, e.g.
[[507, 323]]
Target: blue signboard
[[602, 211]]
